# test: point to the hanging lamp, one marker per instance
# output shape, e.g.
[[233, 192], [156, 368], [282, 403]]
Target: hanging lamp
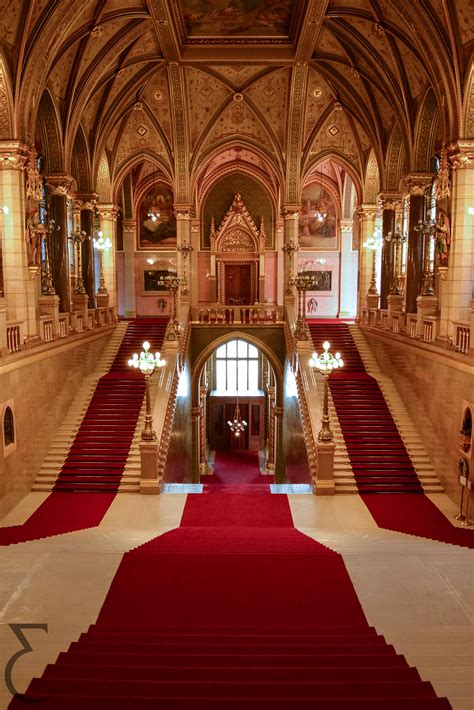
[[237, 424]]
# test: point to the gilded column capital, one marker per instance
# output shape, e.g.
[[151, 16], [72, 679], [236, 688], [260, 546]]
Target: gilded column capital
[[418, 183], [130, 226], [60, 184], [366, 212], [85, 200], [183, 212], [389, 200], [14, 155], [108, 211], [461, 154], [291, 212]]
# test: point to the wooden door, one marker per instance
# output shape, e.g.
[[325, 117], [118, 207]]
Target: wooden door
[[238, 284]]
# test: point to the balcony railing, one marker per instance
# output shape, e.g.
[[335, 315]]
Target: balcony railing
[[462, 336], [237, 315]]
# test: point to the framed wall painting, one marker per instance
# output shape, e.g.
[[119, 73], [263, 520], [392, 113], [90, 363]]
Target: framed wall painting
[[318, 223], [156, 219]]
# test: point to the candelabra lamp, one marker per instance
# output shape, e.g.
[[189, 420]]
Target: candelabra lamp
[[427, 230], [147, 362], [78, 237], [373, 244], [173, 282], [303, 282], [397, 239], [102, 245], [237, 424], [47, 288], [290, 249], [185, 248], [326, 363]]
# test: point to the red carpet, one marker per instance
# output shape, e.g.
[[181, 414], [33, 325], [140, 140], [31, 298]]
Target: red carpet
[[252, 614], [96, 460], [244, 478], [378, 456]]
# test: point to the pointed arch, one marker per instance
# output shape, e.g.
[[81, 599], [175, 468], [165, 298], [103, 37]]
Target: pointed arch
[[395, 164], [372, 180], [103, 184], [49, 134], [468, 108], [80, 167], [340, 159], [425, 132], [6, 100]]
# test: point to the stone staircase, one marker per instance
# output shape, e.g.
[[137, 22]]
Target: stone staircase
[[66, 433], [413, 444]]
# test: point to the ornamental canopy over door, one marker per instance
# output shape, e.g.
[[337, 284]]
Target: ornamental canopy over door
[[237, 244]]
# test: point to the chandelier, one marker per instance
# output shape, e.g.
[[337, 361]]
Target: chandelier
[[237, 424]]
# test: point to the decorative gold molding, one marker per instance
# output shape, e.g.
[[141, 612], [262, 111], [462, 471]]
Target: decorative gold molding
[[389, 200], [418, 183], [461, 154], [108, 211], [60, 184], [14, 155]]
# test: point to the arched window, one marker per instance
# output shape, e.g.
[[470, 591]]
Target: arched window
[[237, 367], [8, 427]]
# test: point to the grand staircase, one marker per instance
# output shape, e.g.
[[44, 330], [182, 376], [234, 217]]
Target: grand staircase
[[103, 420], [378, 459]]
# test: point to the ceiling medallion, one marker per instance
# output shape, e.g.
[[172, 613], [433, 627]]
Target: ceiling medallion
[[317, 92], [238, 97], [337, 106], [158, 96], [142, 130], [354, 72], [333, 130]]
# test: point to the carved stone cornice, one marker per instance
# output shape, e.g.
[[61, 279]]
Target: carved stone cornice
[[60, 184], [108, 211], [14, 155], [85, 200], [461, 154], [389, 200], [418, 183]]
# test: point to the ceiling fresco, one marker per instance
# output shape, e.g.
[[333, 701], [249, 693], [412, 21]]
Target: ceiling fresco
[[238, 18], [265, 86]]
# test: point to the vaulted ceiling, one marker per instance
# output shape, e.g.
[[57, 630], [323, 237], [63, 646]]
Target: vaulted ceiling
[[277, 86]]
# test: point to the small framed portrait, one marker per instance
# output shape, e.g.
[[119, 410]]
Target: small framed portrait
[[154, 280]]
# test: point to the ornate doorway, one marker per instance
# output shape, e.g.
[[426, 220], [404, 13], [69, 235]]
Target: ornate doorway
[[238, 284]]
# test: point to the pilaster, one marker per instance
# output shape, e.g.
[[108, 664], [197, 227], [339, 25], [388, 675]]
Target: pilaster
[[417, 185], [366, 215], [129, 246], [108, 214], [291, 215], [183, 252]]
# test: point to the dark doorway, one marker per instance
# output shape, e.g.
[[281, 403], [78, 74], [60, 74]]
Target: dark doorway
[[238, 284]]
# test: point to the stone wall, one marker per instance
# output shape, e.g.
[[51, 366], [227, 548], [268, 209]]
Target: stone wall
[[294, 448], [41, 387], [433, 391]]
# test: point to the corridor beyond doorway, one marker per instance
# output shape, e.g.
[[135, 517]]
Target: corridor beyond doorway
[[237, 471]]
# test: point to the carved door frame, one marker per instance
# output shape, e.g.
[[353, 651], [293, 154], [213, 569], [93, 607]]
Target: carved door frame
[[221, 266]]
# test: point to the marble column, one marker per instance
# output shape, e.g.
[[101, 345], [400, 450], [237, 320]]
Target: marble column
[[108, 224], [129, 247], [457, 289], [18, 286], [291, 215], [366, 215], [389, 202], [417, 185], [60, 187], [85, 202]]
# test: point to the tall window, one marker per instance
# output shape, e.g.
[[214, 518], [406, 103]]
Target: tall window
[[237, 367], [8, 427]]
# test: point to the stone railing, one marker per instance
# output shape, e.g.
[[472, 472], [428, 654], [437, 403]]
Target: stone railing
[[423, 328], [217, 314], [67, 324], [462, 337]]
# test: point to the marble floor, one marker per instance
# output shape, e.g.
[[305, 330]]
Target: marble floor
[[418, 593]]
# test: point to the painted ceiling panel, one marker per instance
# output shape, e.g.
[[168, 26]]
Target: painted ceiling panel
[[270, 95], [249, 18], [336, 133], [318, 96], [139, 133], [157, 98], [237, 120], [205, 96], [238, 74]]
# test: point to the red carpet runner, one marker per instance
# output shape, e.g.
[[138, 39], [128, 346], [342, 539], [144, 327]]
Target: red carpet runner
[[97, 457], [235, 609], [376, 451], [230, 478]]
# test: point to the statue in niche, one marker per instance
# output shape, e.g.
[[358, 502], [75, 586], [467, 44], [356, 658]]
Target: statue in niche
[[34, 233], [442, 238]]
